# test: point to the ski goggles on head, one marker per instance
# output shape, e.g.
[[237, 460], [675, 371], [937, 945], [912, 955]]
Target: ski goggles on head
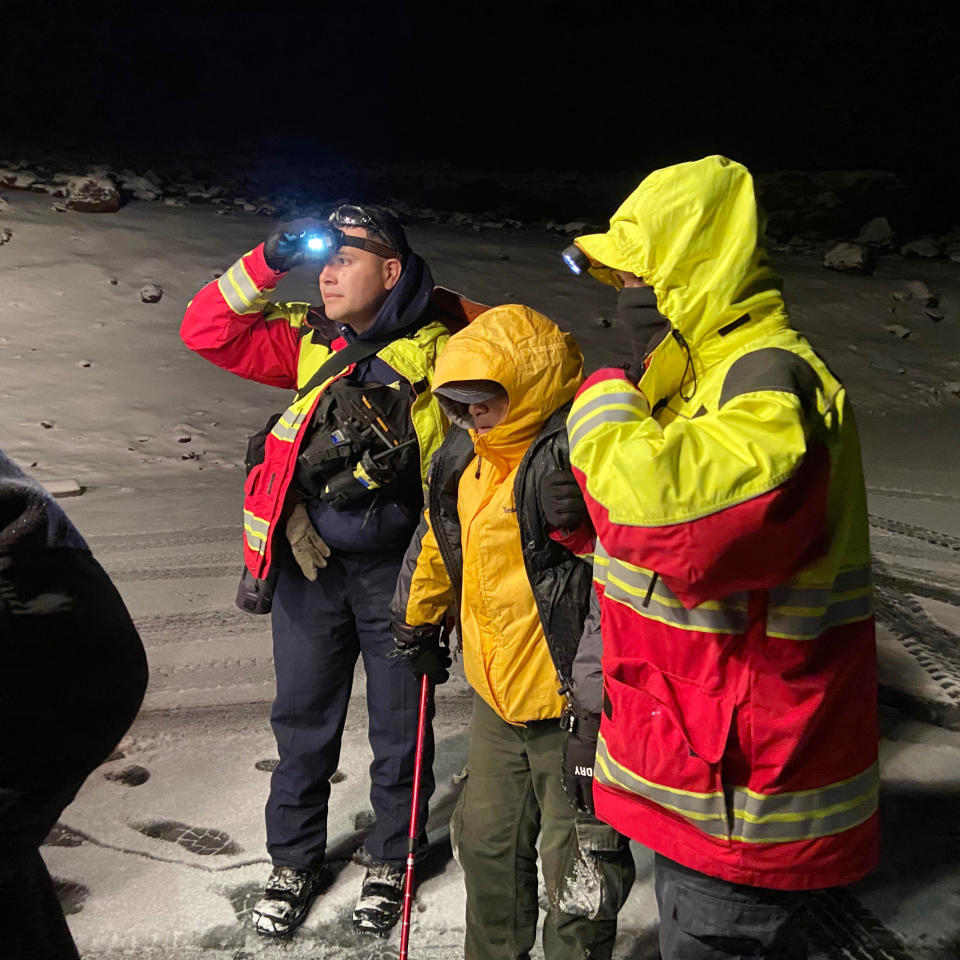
[[353, 215]]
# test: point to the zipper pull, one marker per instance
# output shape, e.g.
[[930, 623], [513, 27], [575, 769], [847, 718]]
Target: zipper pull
[[476, 476]]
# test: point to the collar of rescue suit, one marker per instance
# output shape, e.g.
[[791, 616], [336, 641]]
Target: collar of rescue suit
[[669, 372]]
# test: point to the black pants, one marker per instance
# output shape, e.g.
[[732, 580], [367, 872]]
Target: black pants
[[73, 676], [319, 630], [703, 918]]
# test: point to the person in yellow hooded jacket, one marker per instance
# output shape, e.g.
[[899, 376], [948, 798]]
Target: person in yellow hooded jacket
[[738, 736], [484, 552]]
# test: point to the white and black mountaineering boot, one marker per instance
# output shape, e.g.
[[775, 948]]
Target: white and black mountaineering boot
[[286, 899], [381, 900]]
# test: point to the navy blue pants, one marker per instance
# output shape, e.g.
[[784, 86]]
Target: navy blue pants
[[704, 918], [319, 630]]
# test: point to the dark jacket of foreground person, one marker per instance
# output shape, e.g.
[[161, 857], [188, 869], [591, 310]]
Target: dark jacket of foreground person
[[74, 674]]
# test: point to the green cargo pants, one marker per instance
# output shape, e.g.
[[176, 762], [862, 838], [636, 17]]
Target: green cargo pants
[[512, 795]]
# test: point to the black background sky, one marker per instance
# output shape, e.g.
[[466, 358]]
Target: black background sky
[[518, 86]]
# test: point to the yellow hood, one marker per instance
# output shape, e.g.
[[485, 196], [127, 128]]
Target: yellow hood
[[694, 233], [538, 365]]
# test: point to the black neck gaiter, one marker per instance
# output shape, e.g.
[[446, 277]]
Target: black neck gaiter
[[637, 310]]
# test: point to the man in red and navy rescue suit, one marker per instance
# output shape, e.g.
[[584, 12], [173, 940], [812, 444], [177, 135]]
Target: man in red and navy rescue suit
[[738, 716], [328, 515]]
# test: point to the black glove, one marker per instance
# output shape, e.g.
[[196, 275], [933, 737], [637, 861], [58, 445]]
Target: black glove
[[287, 248], [352, 485], [579, 753], [562, 501], [423, 649]]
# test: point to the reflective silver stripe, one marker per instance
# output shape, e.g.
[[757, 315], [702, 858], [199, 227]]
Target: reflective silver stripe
[[706, 811], [757, 818], [607, 416], [240, 292], [793, 596], [803, 613], [780, 624], [255, 541], [629, 584], [255, 531], [582, 413], [806, 814], [288, 426]]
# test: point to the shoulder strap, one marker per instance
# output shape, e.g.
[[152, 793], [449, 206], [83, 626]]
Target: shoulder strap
[[341, 359]]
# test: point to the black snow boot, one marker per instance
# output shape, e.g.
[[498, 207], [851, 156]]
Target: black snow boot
[[381, 900], [285, 901]]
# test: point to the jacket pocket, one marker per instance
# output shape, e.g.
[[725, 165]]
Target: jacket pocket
[[663, 738], [597, 873], [736, 927], [253, 480]]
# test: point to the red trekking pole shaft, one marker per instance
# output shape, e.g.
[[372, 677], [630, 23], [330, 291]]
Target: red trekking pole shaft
[[414, 806]]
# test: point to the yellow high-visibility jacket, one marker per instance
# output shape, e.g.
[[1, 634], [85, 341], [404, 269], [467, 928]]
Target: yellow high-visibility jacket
[[739, 728]]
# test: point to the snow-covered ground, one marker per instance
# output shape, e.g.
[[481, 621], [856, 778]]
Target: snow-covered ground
[[96, 387]]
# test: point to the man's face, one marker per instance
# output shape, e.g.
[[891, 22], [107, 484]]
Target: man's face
[[354, 283], [630, 279], [488, 414]]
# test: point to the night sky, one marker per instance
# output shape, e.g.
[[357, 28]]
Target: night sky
[[518, 86]]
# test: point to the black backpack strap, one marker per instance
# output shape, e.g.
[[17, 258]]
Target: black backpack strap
[[341, 359]]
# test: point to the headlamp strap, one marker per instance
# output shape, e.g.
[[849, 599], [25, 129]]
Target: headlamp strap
[[372, 246]]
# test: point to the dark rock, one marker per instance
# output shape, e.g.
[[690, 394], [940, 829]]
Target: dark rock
[[925, 247], [92, 194], [151, 293], [267, 766], [851, 258], [898, 330], [17, 179], [6, 236], [919, 291], [877, 233]]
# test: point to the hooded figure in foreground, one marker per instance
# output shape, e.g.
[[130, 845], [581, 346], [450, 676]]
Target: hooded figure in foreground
[[484, 552], [74, 674], [738, 736]]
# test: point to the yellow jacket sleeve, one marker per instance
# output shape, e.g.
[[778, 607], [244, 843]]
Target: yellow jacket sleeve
[[424, 592]]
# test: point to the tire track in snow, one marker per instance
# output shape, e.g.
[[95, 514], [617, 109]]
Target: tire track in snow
[[844, 929], [126, 542]]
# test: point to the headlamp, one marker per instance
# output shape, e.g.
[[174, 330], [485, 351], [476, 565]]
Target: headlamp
[[576, 259], [322, 243]]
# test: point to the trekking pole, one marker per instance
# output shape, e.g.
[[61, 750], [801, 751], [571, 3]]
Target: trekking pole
[[414, 804]]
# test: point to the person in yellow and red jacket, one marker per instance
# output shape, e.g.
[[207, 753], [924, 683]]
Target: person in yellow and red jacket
[[342, 474], [484, 551], [738, 736]]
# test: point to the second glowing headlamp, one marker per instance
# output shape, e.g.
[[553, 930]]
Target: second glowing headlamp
[[576, 259]]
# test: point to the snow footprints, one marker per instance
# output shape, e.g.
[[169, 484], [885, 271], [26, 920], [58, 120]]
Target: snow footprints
[[132, 776], [203, 841]]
